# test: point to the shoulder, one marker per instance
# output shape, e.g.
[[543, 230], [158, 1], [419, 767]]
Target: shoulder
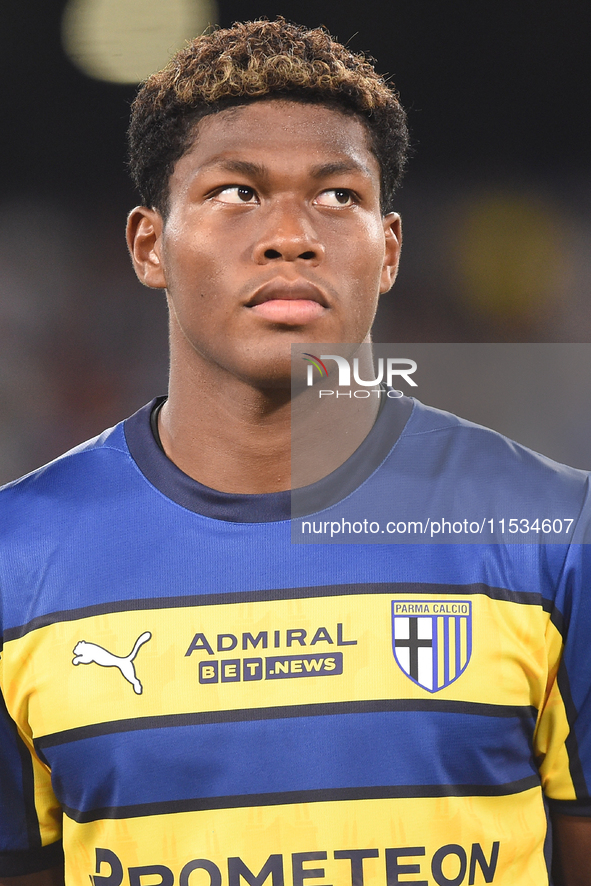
[[89, 472], [463, 461], [450, 434]]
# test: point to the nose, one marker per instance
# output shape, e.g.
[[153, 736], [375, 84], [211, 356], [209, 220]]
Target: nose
[[288, 234]]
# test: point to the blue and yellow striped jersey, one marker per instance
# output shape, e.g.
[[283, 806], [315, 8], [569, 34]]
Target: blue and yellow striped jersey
[[190, 698]]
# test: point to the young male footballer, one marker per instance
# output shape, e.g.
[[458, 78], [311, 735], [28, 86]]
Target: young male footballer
[[189, 699]]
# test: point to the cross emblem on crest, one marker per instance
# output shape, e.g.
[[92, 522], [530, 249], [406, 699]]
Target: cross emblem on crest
[[413, 643]]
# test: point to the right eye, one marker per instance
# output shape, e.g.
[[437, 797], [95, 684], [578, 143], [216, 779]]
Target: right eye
[[236, 194]]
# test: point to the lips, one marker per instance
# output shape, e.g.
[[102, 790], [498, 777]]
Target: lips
[[289, 302]]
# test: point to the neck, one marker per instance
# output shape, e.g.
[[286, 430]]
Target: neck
[[234, 436]]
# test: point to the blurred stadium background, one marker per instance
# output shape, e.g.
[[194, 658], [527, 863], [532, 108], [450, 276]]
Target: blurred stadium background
[[496, 203]]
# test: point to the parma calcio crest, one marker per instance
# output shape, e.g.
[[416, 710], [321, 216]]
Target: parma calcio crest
[[432, 640]]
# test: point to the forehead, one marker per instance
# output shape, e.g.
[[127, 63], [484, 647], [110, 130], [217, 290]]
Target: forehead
[[281, 134]]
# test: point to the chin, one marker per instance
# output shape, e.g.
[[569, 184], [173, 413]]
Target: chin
[[273, 373]]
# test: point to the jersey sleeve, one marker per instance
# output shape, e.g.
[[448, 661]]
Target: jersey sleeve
[[563, 737], [30, 819]]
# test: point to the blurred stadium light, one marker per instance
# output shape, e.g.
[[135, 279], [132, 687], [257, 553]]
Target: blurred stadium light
[[123, 41], [511, 257]]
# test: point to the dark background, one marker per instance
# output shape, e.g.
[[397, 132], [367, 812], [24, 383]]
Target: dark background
[[495, 203], [495, 87]]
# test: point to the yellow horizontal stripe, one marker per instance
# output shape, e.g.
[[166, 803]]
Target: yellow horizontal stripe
[[509, 663]]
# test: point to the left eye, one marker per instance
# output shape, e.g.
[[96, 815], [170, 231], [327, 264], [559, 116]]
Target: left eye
[[335, 197], [236, 194]]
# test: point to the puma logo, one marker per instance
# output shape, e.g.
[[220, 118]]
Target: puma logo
[[86, 653]]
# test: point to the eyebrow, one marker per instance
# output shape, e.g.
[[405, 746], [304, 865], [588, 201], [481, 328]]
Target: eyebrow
[[322, 170], [246, 167]]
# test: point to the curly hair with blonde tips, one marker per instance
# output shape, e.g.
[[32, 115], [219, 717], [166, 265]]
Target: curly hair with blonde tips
[[252, 61]]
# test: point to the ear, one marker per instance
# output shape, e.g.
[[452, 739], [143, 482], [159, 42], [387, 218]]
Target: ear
[[393, 241], [144, 241]]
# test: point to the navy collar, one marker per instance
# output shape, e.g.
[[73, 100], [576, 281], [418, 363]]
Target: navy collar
[[270, 506]]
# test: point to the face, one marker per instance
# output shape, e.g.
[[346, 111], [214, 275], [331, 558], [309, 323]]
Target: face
[[274, 236]]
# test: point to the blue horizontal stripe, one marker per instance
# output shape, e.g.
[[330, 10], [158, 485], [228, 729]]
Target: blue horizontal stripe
[[292, 754], [366, 706]]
